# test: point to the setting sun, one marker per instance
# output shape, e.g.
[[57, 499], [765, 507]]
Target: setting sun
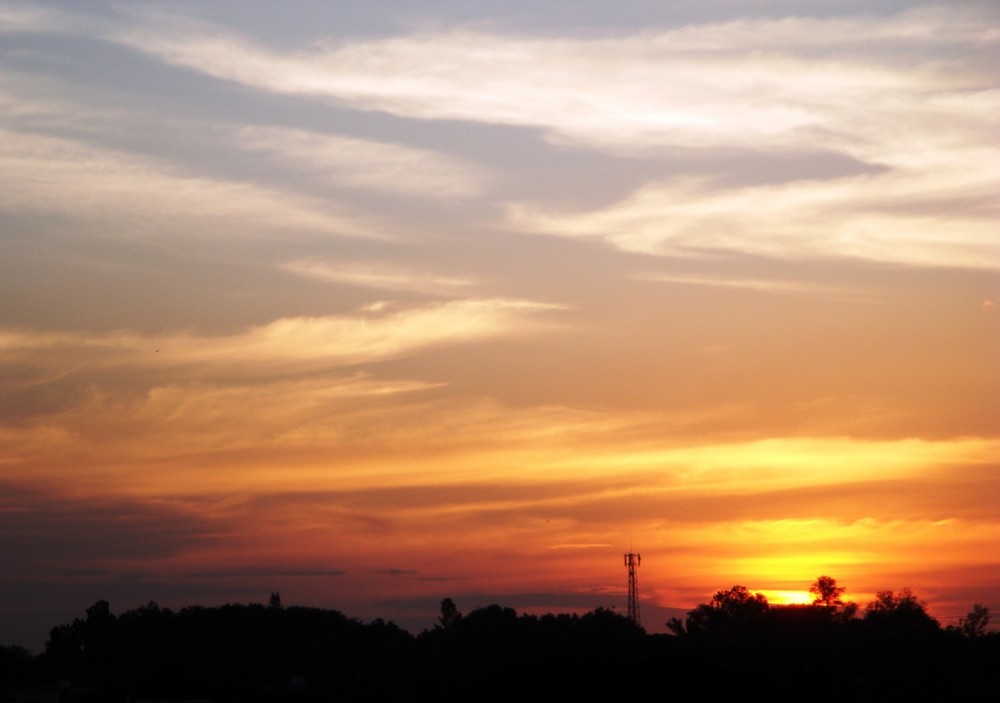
[[787, 597]]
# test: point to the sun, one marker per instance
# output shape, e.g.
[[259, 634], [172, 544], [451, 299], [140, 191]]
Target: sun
[[788, 597]]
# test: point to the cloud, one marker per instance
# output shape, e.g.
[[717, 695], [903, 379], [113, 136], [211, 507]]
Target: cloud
[[725, 84], [244, 572], [349, 433], [931, 106], [762, 285], [353, 340], [365, 164], [917, 218], [187, 397], [42, 529], [383, 276], [910, 94], [139, 196], [789, 478], [594, 545], [21, 18], [330, 340]]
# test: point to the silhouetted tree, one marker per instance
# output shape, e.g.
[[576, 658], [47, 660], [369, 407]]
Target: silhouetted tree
[[676, 625], [975, 623], [890, 602], [736, 644], [85, 651], [450, 615], [610, 628], [17, 668], [900, 612], [730, 612], [826, 592]]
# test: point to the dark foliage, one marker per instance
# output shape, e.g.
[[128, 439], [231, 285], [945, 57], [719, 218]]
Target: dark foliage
[[230, 653], [18, 667], [738, 643], [496, 650], [735, 645]]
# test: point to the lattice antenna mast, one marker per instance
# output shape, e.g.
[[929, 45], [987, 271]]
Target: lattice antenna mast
[[632, 561]]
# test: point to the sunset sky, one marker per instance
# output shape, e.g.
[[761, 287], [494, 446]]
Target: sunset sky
[[374, 304]]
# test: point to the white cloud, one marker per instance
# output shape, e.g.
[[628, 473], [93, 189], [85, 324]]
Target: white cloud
[[911, 94], [752, 84], [918, 217]]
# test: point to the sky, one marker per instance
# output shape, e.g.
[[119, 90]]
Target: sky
[[377, 304]]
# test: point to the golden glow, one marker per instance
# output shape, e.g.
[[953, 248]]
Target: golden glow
[[787, 597]]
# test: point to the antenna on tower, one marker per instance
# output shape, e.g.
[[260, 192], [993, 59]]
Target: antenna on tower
[[632, 561]]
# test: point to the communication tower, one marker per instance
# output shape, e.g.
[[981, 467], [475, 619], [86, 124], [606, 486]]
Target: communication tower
[[632, 561]]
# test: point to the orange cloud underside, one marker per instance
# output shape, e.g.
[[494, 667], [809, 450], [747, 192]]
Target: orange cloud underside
[[554, 511]]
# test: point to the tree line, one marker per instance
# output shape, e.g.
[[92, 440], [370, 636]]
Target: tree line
[[734, 644]]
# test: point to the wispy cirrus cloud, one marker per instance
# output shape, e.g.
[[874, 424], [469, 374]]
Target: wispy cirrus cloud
[[139, 196], [350, 340], [927, 123], [757, 284], [383, 276], [332, 340], [711, 85], [25, 18], [929, 110], [188, 381], [363, 163], [943, 217]]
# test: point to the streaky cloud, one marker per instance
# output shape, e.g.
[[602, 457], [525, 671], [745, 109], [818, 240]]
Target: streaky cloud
[[363, 163], [336, 340], [763, 285], [381, 276], [593, 545], [24, 18], [864, 217], [709, 78], [137, 196]]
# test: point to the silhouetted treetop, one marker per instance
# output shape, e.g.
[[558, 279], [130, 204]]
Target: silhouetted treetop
[[227, 653], [974, 624], [826, 592], [730, 612], [450, 617], [899, 611], [737, 644]]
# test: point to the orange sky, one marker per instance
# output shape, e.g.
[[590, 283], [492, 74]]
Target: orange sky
[[378, 307]]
